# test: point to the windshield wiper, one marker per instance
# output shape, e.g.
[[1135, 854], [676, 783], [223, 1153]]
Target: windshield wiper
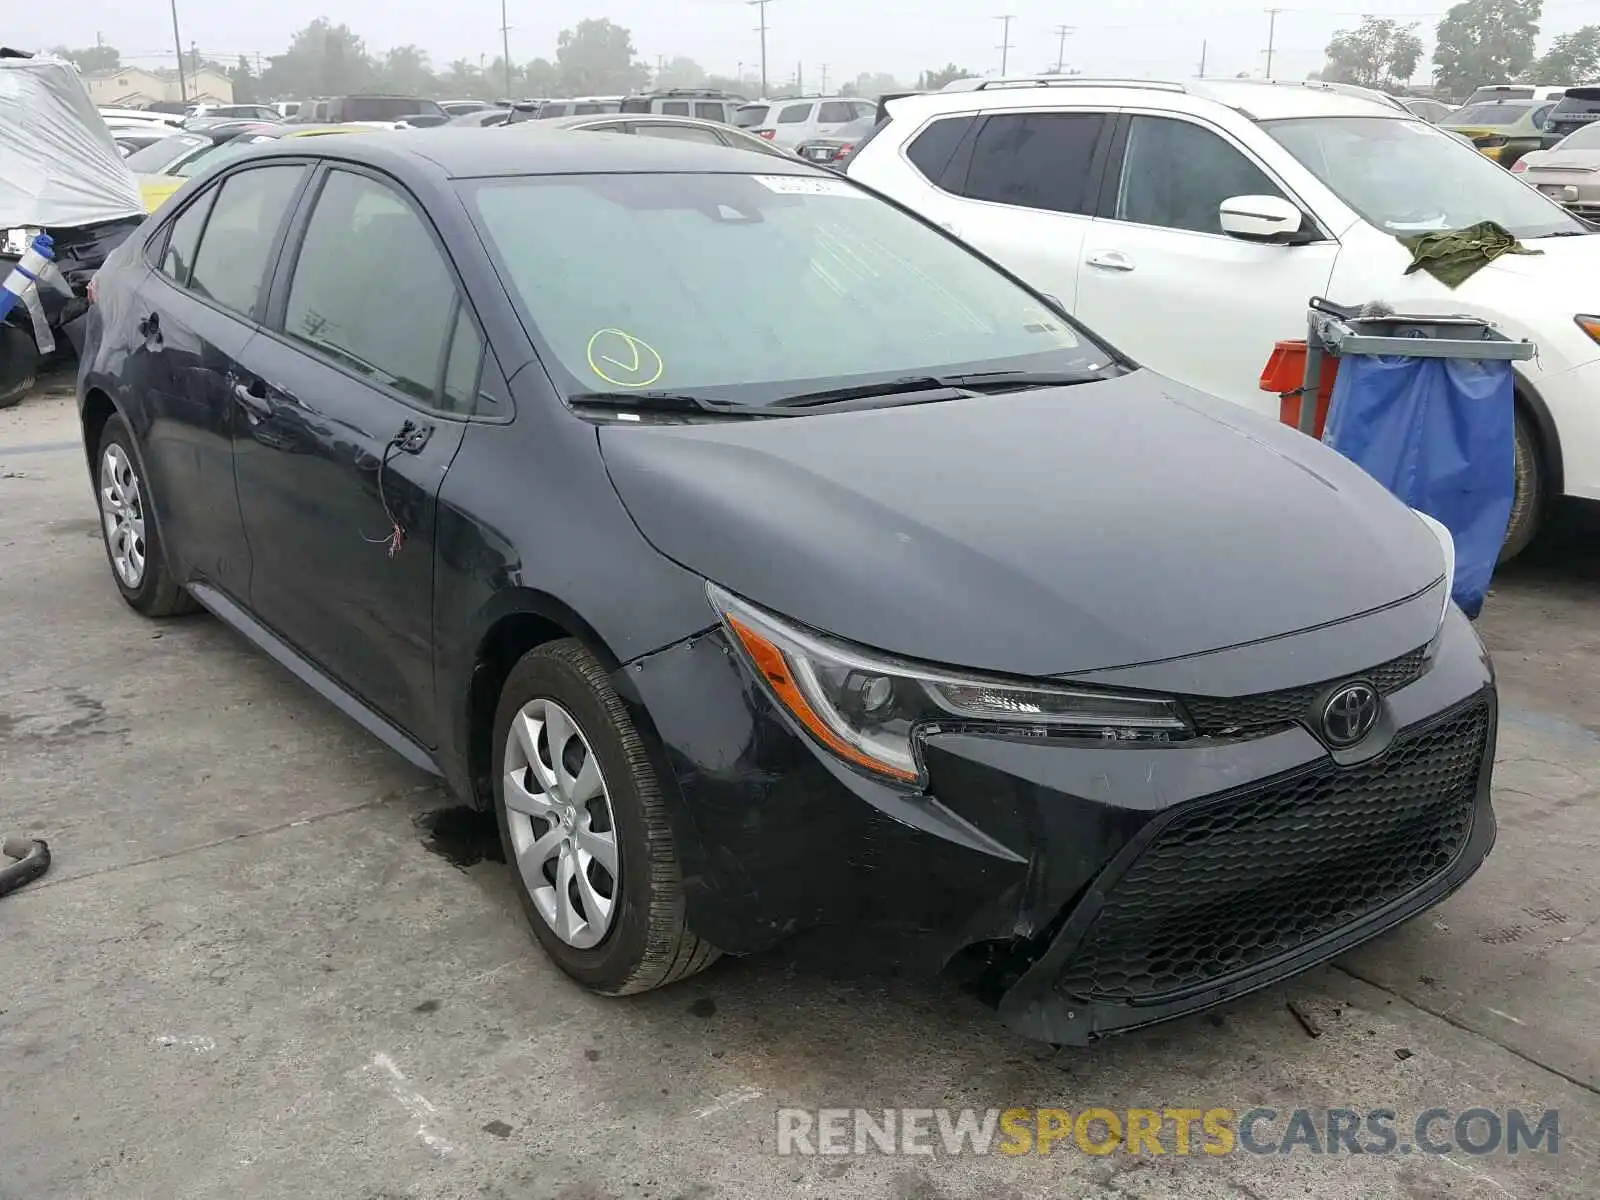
[[1007, 381], [673, 402], [971, 383]]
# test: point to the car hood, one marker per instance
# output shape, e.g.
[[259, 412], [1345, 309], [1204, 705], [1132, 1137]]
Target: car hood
[[1566, 268], [1038, 533], [1565, 161]]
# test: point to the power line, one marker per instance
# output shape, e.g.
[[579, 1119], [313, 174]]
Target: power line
[[761, 7], [1005, 40]]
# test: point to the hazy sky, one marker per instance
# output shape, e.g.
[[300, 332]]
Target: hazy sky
[[1117, 37]]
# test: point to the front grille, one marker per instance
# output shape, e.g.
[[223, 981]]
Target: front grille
[[1231, 883], [1267, 711]]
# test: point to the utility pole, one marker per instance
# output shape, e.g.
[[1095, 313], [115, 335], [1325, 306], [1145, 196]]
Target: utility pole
[[1061, 48], [1005, 40], [194, 66], [1202, 58], [177, 46], [800, 78], [1272, 30], [661, 66], [824, 79], [761, 7], [505, 49]]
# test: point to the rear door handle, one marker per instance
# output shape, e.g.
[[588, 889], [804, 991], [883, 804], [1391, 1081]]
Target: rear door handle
[[1110, 260], [252, 397]]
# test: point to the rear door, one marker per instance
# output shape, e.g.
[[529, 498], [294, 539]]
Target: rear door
[[200, 307], [833, 115], [1025, 186], [1161, 281], [790, 123], [353, 401]]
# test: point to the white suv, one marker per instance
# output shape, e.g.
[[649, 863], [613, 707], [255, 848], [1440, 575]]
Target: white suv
[[787, 123], [1110, 196]]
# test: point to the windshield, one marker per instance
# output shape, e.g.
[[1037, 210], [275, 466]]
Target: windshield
[[750, 115], [155, 158], [752, 287], [1502, 93], [1585, 137], [1407, 177], [1489, 114]]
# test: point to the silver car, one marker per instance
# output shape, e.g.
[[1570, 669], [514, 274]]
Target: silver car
[[1569, 172]]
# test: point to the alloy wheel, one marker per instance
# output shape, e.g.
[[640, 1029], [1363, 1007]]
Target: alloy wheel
[[563, 833], [122, 512]]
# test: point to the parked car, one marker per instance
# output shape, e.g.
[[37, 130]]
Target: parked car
[[1569, 172], [582, 106], [129, 140], [787, 123], [1491, 92], [460, 108], [832, 150], [367, 109], [1130, 219], [60, 174], [680, 129], [141, 117], [1432, 111], [159, 183], [706, 104], [920, 668], [286, 109], [480, 117], [1502, 130], [249, 112], [1579, 107]]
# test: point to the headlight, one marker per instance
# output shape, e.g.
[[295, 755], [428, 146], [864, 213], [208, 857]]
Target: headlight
[[17, 241], [1447, 543], [871, 710]]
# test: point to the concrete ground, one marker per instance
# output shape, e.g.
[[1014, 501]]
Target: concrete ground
[[254, 971]]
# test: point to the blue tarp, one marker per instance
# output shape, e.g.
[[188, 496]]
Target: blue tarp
[[1440, 434]]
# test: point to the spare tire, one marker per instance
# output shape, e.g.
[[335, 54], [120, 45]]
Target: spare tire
[[19, 363]]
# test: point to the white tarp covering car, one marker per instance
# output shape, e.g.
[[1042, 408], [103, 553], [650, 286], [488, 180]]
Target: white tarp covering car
[[61, 166]]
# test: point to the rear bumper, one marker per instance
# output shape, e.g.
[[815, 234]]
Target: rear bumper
[[1025, 858]]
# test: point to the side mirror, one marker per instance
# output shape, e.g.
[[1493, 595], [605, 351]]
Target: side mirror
[[1261, 219]]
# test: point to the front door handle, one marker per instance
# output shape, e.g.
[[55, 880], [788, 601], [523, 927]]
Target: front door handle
[[252, 397], [1110, 260]]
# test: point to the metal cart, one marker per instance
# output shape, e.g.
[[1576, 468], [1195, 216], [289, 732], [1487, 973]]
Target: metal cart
[[1333, 329]]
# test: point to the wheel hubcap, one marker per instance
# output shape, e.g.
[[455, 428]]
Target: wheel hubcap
[[122, 514], [562, 831]]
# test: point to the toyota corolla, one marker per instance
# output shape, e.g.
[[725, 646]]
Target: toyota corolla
[[782, 572]]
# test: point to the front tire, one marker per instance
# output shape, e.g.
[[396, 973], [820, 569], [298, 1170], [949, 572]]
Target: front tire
[[1527, 502], [585, 827], [128, 528]]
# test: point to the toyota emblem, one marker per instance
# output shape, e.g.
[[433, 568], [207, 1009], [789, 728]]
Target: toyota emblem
[[1349, 714]]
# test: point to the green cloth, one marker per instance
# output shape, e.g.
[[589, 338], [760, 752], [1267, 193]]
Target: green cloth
[[1453, 256]]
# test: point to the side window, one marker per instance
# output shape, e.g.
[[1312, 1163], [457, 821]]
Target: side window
[[552, 110], [682, 133], [462, 366], [675, 108], [1541, 115], [795, 114], [320, 112], [182, 239], [364, 243], [864, 109], [231, 264], [1035, 160], [709, 112], [835, 112], [932, 149], [1176, 174]]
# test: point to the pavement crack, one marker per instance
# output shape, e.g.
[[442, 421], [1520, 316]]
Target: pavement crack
[[1586, 1084]]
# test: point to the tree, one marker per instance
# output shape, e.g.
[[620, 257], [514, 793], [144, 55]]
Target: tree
[[680, 72], [596, 58], [1377, 54], [872, 85], [246, 87], [90, 58], [1485, 41], [405, 71], [934, 80], [1573, 58], [323, 59]]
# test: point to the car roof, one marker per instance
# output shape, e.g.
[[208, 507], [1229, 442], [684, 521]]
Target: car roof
[[456, 153]]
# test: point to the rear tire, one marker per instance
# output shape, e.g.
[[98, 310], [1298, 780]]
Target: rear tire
[[1528, 501], [19, 365], [128, 528], [626, 929]]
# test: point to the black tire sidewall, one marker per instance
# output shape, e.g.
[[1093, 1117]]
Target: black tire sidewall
[[545, 675], [1527, 506]]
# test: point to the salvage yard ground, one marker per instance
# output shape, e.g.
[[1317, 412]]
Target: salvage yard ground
[[270, 961]]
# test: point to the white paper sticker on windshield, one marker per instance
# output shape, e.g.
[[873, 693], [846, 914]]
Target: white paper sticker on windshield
[[806, 185]]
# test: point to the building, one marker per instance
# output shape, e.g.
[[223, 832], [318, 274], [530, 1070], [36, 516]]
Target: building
[[135, 87]]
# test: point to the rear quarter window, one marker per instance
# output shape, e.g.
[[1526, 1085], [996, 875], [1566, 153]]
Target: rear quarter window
[[932, 149], [749, 116], [794, 114]]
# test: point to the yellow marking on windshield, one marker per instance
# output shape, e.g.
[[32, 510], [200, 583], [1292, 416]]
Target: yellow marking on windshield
[[630, 362]]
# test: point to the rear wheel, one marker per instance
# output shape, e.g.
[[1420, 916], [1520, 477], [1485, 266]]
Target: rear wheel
[[19, 364], [128, 528], [585, 827], [1527, 504]]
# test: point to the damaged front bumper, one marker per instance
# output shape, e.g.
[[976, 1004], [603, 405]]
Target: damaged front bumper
[[1104, 887]]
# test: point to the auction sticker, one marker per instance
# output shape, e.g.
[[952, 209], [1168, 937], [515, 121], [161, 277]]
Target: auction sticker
[[806, 185]]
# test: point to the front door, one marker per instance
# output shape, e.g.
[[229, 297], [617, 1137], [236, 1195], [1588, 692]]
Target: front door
[[351, 405], [199, 304], [1161, 281]]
